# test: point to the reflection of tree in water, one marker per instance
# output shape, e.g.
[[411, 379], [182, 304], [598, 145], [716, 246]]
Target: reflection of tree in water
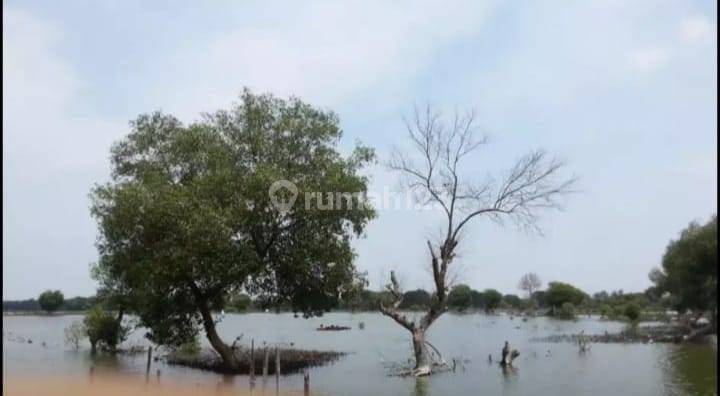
[[421, 386], [690, 369], [509, 372]]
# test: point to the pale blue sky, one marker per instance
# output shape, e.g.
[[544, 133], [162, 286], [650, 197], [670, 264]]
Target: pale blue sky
[[624, 90]]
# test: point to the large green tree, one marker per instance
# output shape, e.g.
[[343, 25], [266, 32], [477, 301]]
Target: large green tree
[[460, 297], [559, 293], [191, 218], [690, 266], [51, 300]]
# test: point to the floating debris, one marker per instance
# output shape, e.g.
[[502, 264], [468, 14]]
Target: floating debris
[[332, 328]]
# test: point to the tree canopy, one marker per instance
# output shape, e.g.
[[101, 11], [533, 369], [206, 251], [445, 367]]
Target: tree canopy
[[188, 220], [51, 300], [491, 299], [559, 293], [460, 297], [690, 266]]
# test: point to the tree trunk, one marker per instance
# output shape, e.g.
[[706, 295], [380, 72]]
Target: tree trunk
[[225, 352], [422, 363]]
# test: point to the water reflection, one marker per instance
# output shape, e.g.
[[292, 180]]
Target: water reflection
[[690, 369], [544, 369], [421, 386]]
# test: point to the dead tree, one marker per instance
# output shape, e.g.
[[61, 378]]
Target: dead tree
[[532, 183], [530, 283]]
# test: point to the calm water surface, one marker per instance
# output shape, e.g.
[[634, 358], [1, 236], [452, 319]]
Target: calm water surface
[[541, 369]]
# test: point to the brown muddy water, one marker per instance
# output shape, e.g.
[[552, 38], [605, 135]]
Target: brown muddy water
[[542, 368]]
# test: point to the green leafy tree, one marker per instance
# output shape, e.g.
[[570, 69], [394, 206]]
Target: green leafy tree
[[460, 298], [103, 330], [477, 299], [559, 293], [689, 268], [51, 300], [415, 299], [194, 214], [566, 311], [512, 301], [605, 311], [491, 299], [632, 311], [240, 303]]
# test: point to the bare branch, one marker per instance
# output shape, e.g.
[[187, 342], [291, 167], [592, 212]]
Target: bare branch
[[392, 311]]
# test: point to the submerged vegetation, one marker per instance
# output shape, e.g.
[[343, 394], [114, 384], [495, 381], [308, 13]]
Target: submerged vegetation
[[293, 360]]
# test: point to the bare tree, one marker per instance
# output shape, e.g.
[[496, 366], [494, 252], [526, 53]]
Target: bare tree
[[530, 283], [531, 184]]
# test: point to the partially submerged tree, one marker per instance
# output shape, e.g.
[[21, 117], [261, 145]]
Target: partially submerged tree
[[460, 298], [103, 330], [533, 183], [74, 333], [559, 293], [190, 218], [51, 300], [491, 299]]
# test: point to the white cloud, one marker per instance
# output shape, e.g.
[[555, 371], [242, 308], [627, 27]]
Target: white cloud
[[696, 28], [326, 53], [648, 60]]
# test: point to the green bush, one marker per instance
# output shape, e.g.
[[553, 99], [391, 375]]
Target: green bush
[[632, 311], [103, 330], [190, 348], [605, 311], [566, 311]]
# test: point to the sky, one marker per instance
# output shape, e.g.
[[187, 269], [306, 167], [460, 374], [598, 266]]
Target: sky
[[624, 91]]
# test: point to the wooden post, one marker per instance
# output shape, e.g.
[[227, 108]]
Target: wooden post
[[265, 363], [252, 362], [306, 387], [277, 364], [149, 359]]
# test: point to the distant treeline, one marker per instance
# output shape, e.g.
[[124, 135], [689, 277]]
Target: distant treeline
[[31, 305]]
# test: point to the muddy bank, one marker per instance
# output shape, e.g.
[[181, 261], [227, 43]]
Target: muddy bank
[[291, 360]]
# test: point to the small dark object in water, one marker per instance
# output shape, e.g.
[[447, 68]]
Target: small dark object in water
[[361, 325], [332, 328], [29, 341]]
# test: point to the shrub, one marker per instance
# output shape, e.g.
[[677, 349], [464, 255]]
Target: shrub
[[189, 348], [74, 333], [632, 311], [103, 330], [605, 311], [567, 311]]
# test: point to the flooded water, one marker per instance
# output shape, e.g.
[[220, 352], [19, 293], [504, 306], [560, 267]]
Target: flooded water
[[541, 369]]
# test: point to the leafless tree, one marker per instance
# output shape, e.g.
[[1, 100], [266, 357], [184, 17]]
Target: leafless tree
[[530, 283], [533, 183]]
